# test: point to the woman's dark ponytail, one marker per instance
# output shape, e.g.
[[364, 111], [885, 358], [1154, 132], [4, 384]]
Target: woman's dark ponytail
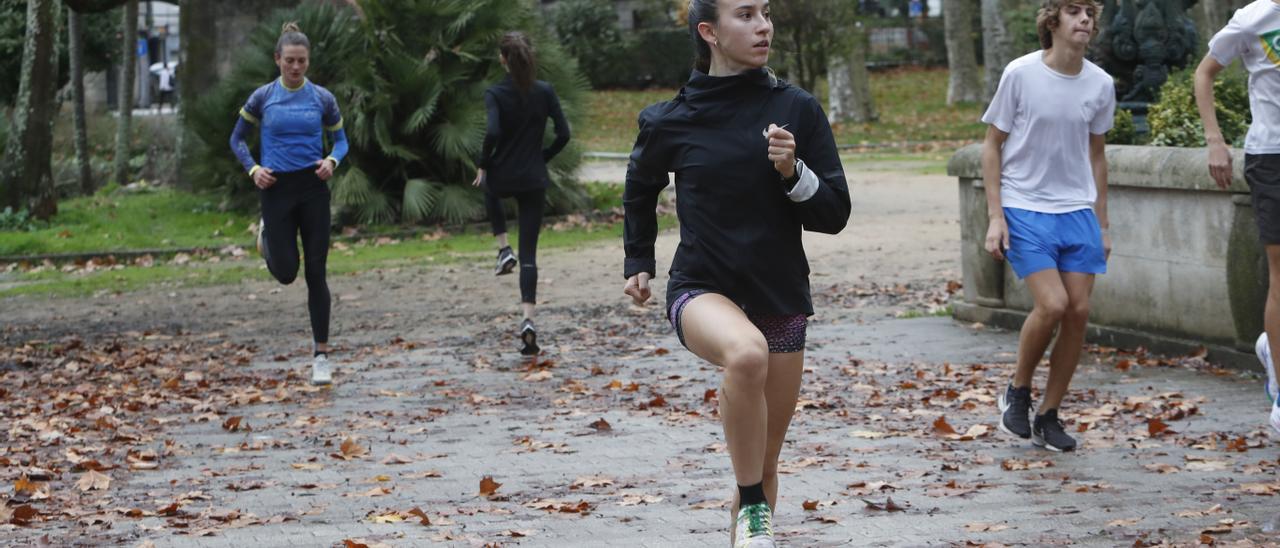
[[518, 52]]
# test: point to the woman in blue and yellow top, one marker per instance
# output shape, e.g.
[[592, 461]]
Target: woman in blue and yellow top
[[293, 114]]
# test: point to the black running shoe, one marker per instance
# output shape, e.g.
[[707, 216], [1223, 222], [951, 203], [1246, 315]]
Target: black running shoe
[[1015, 411], [1048, 432], [529, 337], [506, 262]]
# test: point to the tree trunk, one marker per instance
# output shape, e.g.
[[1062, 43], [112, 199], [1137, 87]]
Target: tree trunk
[[93, 6], [197, 72], [124, 99], [75, 39], [849, 83], [1217, 13], [964, 85], [997, 49], [28, 169]]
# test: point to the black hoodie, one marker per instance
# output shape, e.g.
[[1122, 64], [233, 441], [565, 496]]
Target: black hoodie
[[739, 229], [512, 153]]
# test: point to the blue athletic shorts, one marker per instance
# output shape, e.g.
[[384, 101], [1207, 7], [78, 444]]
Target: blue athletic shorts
[[1066, 242]]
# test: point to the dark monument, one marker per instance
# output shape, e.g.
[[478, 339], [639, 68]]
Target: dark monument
[[1139, 43]]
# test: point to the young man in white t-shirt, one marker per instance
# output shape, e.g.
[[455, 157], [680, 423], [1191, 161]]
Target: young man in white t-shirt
[[1253, 34], [165, 84], [1045, 171]]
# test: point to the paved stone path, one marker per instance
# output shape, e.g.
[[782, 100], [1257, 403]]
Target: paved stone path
[[658, 477], [438, 408]]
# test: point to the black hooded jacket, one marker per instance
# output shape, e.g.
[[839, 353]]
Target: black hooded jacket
[[512, 153], [739, 229]]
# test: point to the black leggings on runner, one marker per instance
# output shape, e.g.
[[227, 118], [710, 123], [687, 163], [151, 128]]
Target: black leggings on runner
[[299, 203], [529, 204]]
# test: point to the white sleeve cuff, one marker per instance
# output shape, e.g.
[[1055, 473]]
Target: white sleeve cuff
[[806, 187]]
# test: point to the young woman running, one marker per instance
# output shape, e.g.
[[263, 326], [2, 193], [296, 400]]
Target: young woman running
[[1253, 35], [1044, 166], [755, 164], [513, 163], [293, 113]]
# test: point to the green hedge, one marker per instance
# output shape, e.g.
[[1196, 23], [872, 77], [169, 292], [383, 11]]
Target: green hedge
[[1175, 120], [610, 58]]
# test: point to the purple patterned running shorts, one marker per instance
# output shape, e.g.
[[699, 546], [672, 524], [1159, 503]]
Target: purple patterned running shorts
[[784, 333]]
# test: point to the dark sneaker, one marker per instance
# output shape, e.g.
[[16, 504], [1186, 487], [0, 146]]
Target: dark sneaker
[[1015, 411], [506, 262], [529, 337], [1048, 432]]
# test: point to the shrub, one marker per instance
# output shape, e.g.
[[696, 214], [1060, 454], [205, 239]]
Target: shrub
[[1123, 131], [588, 30], [1175, 121], [17, 221]]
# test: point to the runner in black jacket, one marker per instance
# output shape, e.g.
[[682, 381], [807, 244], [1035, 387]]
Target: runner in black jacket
[[514, 164], [755, 164]]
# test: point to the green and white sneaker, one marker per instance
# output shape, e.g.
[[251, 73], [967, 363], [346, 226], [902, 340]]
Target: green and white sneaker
[[754, 527]]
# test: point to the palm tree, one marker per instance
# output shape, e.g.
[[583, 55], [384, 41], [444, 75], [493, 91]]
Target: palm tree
[[409, 77]]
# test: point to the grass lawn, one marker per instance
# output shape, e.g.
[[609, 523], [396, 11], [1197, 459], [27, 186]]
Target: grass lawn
[[912, 103], [169, 219], [114, 221]]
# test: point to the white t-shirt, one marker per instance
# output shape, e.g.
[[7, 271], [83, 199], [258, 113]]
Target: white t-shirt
[[1254, 35], [166, 79], [1049, 116]]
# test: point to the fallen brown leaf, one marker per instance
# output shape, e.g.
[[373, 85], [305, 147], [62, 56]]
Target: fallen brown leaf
[[350, 449], [940, 426], [233, 424], [24, 515], [888, 506], [488, 487], [24, 485], [93, 481], [422, 516], [1015, 464], [396, 459], [601, 425], [591, 481], [1155, 427]]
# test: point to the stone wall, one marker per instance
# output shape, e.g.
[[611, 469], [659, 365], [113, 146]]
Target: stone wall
[[1185, 266]]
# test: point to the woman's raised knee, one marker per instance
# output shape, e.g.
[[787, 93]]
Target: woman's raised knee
[[747, 360]]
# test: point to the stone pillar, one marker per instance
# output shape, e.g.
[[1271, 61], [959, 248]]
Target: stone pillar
[[983, 275], [1246, 274]]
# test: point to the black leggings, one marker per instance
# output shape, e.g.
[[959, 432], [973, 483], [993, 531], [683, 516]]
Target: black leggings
[[299, 203], [529, 204]]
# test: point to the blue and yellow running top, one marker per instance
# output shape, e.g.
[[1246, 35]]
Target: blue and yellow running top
[[292, 122]]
